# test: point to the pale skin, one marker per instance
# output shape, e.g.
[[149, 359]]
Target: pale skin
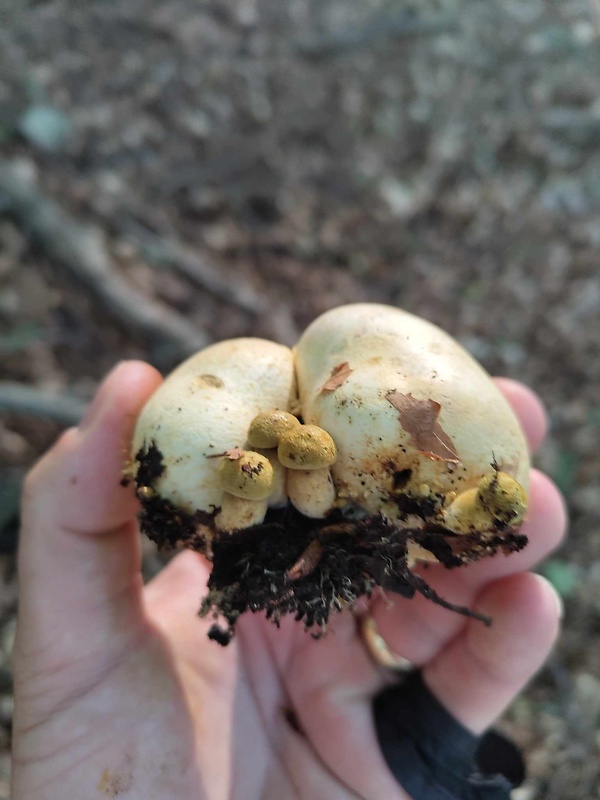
[[119, 693]]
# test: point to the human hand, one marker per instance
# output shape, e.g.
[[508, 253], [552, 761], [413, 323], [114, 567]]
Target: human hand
[[119, 692]]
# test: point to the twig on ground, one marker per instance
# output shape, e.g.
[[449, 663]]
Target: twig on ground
[[163, 246], [62, 408], [378, 32], [195, 268], [81, 250]]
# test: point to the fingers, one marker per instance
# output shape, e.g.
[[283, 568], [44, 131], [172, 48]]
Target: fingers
[[174, 596], [180, 585], [417, 629], [528, 408], [479, 673], [79, 551]]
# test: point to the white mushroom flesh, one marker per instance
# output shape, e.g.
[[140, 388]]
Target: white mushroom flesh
[[311, 491], [239, 512]]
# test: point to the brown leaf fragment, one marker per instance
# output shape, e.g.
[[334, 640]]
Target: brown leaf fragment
[[235, 454], [306, 563], [250, 469], [339, 374], [419, 418]]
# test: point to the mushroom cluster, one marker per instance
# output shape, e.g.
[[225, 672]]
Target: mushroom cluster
[[310, 476], [252, 480]]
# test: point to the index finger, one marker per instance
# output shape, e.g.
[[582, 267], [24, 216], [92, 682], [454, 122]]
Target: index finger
[[528, 408]]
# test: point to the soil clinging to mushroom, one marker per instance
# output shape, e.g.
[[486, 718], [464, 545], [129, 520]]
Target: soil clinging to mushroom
[[293, 564]]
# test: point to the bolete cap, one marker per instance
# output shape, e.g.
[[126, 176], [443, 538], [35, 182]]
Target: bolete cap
[[503, 496], [307, 447], [246, 474], [267, 428]]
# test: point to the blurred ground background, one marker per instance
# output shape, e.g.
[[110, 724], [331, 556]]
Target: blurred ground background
[[177, 171]]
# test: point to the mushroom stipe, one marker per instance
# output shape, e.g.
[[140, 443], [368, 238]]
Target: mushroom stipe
[[293, 564]]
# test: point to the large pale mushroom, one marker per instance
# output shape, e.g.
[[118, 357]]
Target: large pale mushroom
[[399, 448], [417, 422], [194, 422]]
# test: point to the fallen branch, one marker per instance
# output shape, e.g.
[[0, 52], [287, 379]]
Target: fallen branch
[[195, 268], [81, 250], [163, 246], [62, 408], [378, 32]]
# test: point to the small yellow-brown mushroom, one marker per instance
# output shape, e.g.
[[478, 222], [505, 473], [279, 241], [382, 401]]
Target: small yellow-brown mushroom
[[497, 498], [504, 497], [246, 474], [267, 428], [278, 495], [307, 447], [308, 451]]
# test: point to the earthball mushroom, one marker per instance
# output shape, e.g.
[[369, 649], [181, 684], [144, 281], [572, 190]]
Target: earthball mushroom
[[309, 476]]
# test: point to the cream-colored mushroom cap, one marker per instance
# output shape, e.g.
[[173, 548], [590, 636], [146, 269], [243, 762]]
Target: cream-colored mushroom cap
[[307, 447], [402, 398], [246, 474], [267, 428], [204, 408]]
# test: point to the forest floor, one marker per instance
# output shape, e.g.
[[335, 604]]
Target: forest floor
[[240, 167]]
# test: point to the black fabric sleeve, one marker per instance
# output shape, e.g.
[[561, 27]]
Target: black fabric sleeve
[[433, 756]]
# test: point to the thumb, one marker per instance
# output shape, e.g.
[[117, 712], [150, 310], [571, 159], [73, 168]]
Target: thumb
[[79, 556]]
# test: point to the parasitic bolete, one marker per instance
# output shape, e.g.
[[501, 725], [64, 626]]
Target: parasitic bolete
[[310, 476]]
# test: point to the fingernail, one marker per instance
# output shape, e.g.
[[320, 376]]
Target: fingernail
[[560, 606], [96, 406]]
